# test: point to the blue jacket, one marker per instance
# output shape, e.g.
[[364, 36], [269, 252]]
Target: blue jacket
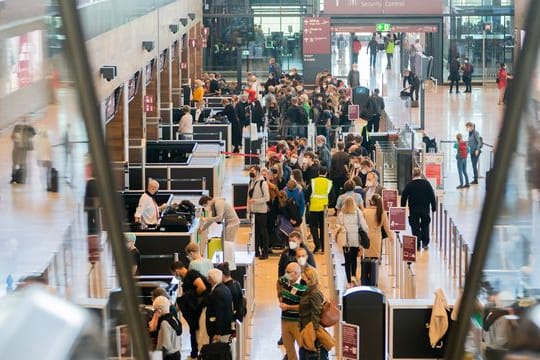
[[298, 195]]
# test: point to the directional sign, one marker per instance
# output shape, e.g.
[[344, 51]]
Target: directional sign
[[389, 197], [382, 27]]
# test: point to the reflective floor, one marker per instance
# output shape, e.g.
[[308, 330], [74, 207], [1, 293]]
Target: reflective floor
[[34, 221]]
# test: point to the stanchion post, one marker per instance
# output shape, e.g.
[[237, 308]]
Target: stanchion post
[[460, 270], [455, 243], [440, 216], [449, 250], [445, 239]]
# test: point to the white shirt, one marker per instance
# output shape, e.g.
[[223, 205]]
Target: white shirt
[[186, 124], [147, 210]]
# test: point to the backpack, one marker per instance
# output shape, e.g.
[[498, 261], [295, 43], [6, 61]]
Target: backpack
[[462, 150]]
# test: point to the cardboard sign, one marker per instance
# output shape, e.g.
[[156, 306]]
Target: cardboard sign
[[409, 248], [398, 218], [354, 112], [350, 341], [389, 197]]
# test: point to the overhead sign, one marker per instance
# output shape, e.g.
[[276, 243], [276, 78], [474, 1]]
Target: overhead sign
[[389, 197], [354, 112], [398, 218], [409, 248], [316, 35], [383, 27], [383, 7], [350, 341]]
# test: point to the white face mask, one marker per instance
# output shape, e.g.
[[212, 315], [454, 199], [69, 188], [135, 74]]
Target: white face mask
[[302, 261], [363, 171], [293, 245], [356, 165], [294, 160]]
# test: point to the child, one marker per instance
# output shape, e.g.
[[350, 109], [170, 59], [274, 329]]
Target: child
[[461, 157]]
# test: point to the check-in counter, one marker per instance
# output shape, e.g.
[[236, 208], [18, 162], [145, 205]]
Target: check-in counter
[[202, 131], [158, 246], [181, 164]]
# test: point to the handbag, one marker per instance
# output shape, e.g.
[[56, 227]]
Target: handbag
[[330, 314], [285, 225], [340, 235], [363, 237]]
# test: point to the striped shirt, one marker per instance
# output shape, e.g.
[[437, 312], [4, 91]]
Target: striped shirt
[[290, 295]]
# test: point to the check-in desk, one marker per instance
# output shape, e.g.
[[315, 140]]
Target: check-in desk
[[209, 130], [158, 246], [181, 165]]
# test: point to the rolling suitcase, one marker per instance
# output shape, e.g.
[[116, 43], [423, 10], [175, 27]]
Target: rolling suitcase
[[370, 271], [215, 351], [19, 176], [53, 185]]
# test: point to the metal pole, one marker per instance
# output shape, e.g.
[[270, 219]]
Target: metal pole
[[422, 105], [88, 103], [455, 252], [460, 272], [440, 215], [484, 57], [446, 225]]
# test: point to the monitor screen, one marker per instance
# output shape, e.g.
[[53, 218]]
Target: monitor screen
[[133, 85], [149, 69], [111, 104]]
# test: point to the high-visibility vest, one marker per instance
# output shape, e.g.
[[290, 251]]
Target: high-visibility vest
[[320, 188]]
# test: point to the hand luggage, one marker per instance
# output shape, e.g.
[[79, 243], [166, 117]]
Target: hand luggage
[[53, 181], [19, 176], [214, 244], [370, 271], [215, 351]]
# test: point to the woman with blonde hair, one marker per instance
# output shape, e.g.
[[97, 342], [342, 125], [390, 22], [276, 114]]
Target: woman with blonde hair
[[352, 219], [377, 220], [309, 314]]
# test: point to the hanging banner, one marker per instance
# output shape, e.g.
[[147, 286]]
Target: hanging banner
[[409, 248], [398, 218], [383, 7], [389, 197], [350, 341]]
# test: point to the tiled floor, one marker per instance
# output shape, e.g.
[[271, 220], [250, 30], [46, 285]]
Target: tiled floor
[[34, 221]]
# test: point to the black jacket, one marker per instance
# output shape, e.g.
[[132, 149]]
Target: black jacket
[[239, 305], [420, 195], [338, 164], [288, 256], [219, 311]]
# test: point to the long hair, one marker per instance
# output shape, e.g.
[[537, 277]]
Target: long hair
[[377, 200], [282, 198], [297, 175], [349, 205]]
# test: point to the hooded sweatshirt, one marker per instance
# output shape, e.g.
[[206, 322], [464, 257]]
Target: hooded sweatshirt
[[169, 335]]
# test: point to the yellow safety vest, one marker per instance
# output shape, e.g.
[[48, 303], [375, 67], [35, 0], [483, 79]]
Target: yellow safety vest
[[320, 188]]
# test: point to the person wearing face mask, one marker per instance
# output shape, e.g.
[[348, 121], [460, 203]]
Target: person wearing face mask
[[366, 166], [220, 210], [241, 109], [292, 163], [338, 168], [468, 70], [134, 252], [377, 222], [257, 204], [302, 258], [148, 211], [372, 187], [322, 151], [289, 254], [319, 190], [502, 82], [290, 289], [196, 261], [311, 169], [195, 289]]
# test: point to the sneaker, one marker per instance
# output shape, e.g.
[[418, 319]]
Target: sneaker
[[475, 182], [466, 186], [459, 187]]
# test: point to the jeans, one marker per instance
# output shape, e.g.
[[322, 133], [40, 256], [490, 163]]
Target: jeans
[[261, 235], [467, 81], [355, 58], [322, 354], [474, 162], [372, 58], [316, 226], [389, 58], [373, 123], [462, 170], [452, 82], [351, 261], [420, 227]]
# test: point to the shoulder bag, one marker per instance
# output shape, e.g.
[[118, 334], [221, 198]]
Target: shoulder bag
[[330, 314], [363, 237]]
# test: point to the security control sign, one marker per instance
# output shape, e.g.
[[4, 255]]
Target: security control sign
[[350, 341], [398, 218], [409, 248], [389, 197], [382, 27]]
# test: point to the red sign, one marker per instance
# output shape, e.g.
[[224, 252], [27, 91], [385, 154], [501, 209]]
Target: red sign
[[205, 31], [383, 7], [433, 171], [350, 341], [389, 198], [203, 43], [316, 35], [354, 112], [148, 103], [183, 66], [193, 43], [409, 248], [398, 218]]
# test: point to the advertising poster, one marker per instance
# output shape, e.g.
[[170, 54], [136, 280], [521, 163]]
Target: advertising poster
[[390, 197], [433, 169], [409, 248], [350, 341], [398, 218], [354, 112]]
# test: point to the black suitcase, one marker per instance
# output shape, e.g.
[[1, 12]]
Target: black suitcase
[[215, 351], [361, 97], [370, 271], [53, 187], [19, 176]]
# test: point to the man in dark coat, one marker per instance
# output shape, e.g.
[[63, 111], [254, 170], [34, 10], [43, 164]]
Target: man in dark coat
[[235, 125]]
